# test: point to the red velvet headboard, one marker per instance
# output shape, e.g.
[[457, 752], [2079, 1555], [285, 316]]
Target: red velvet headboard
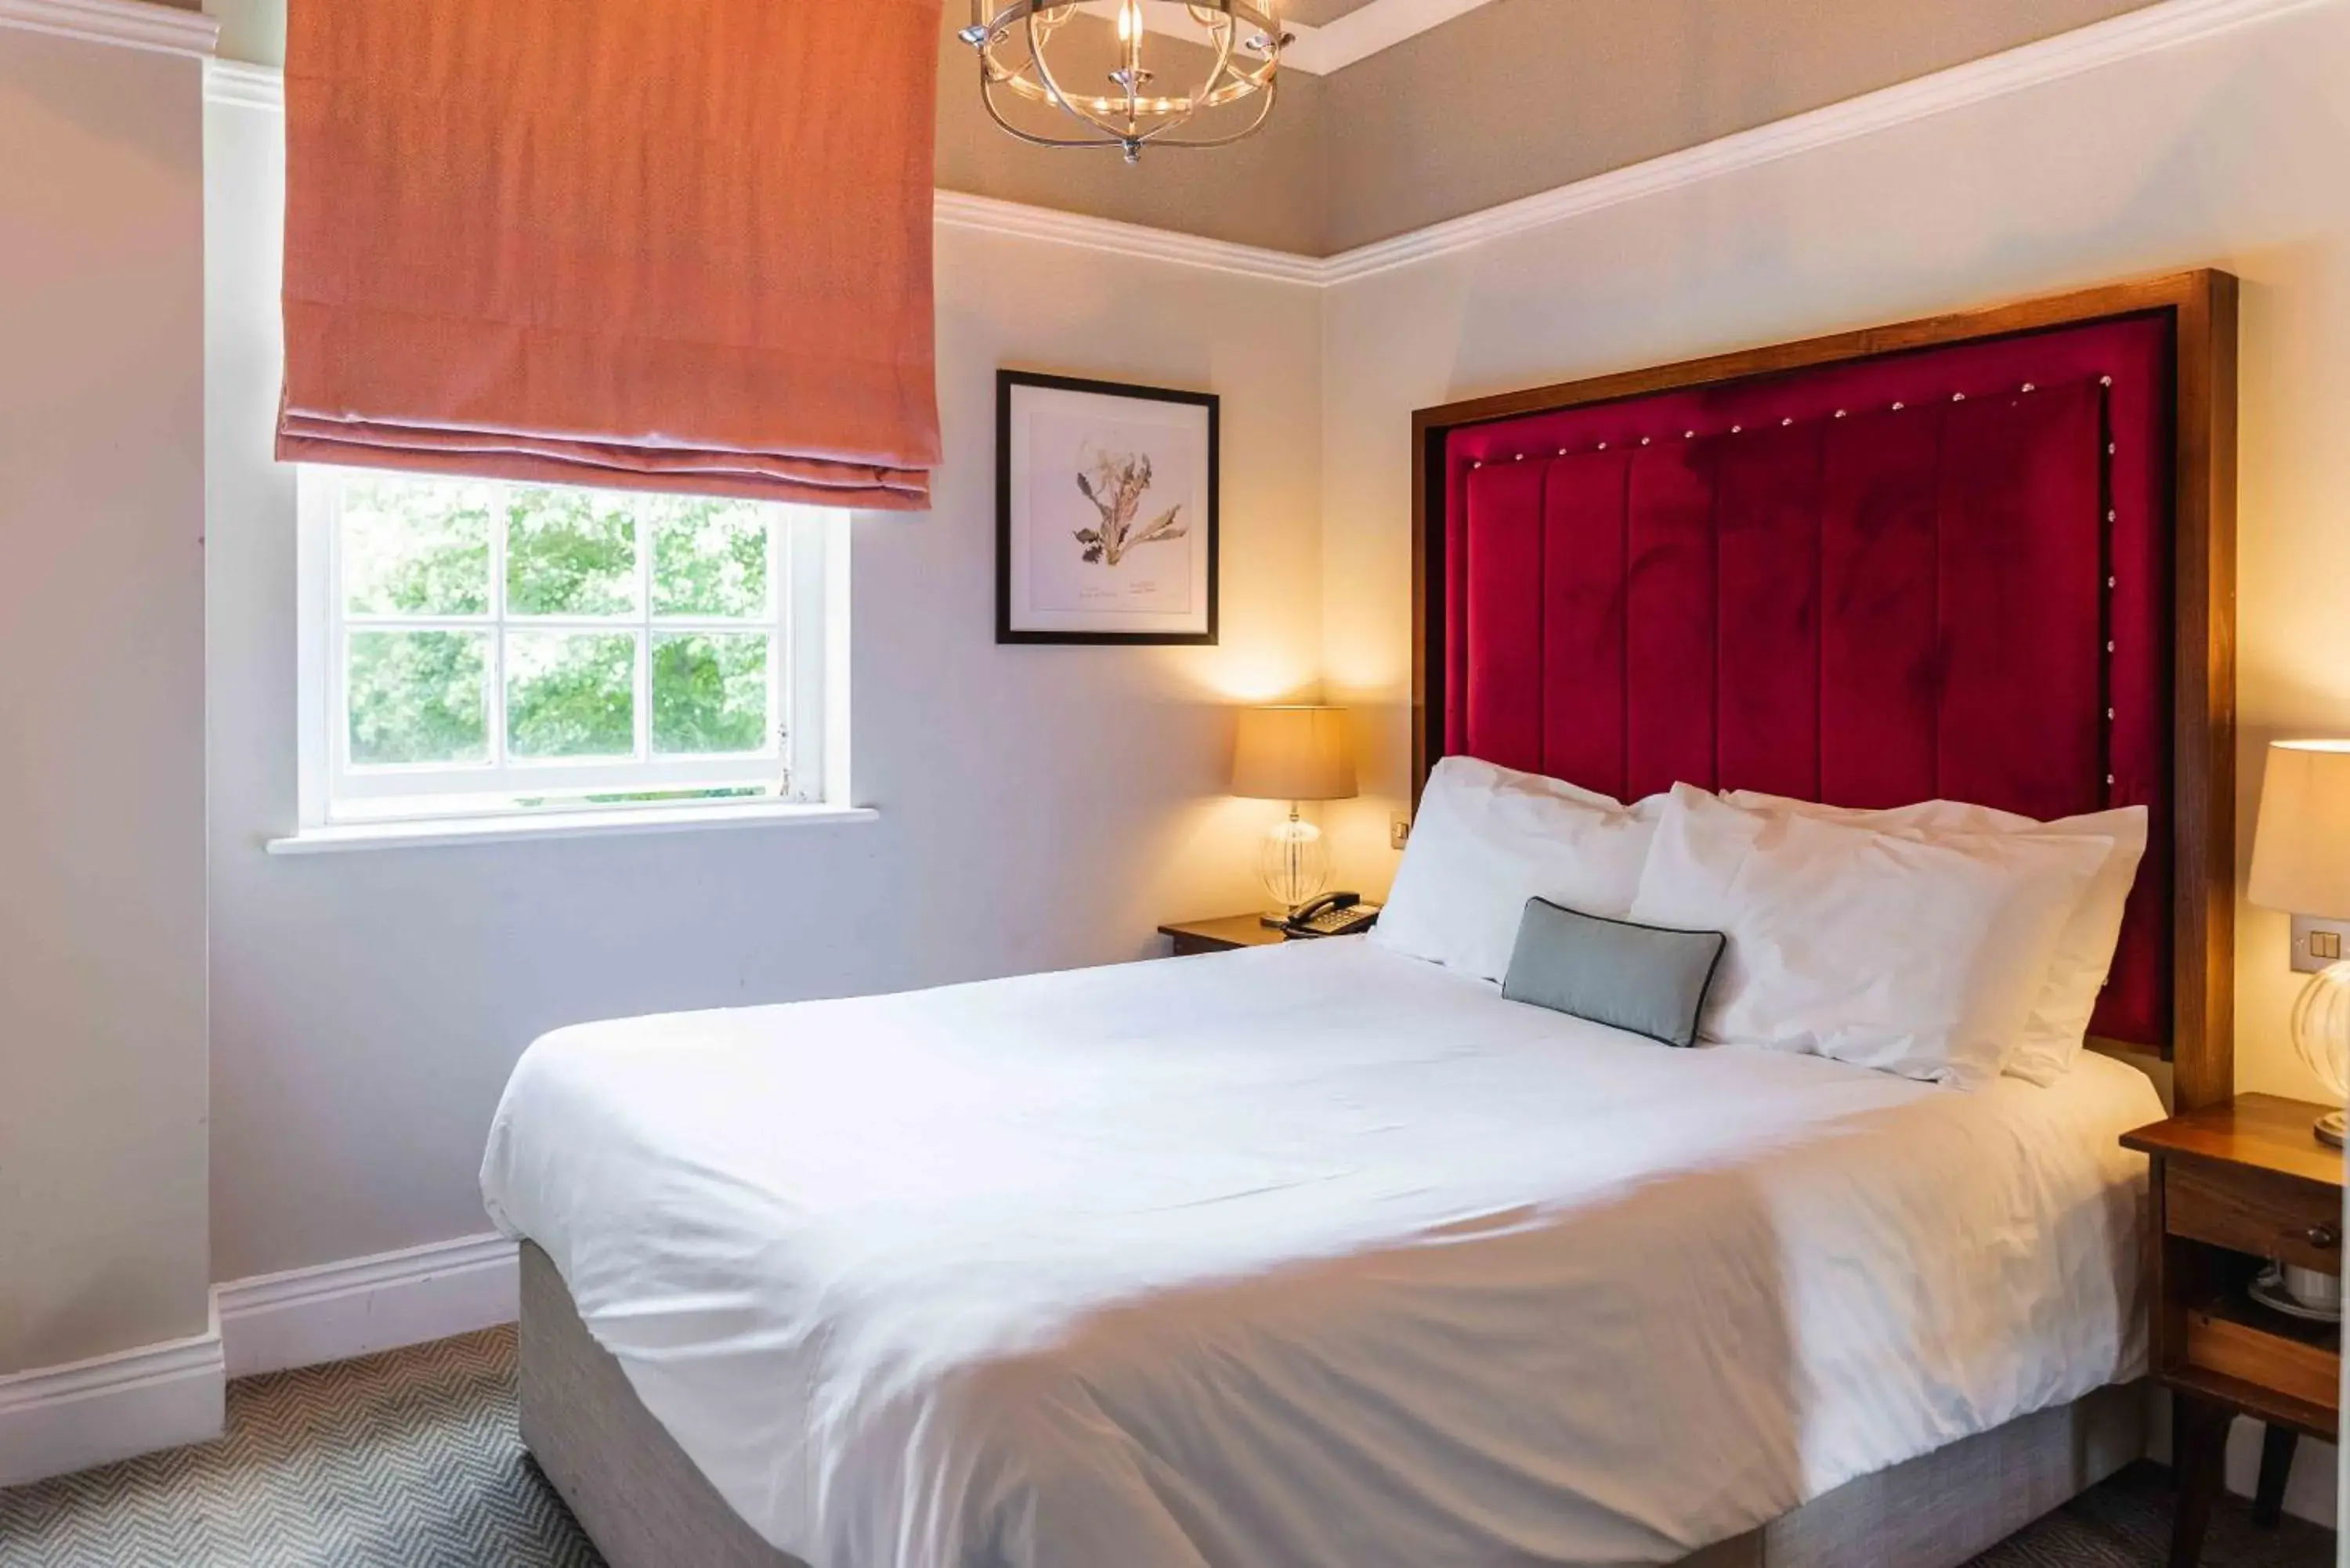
[[1946, 567]]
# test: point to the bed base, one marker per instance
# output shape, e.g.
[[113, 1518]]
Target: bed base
[[646, 1506]]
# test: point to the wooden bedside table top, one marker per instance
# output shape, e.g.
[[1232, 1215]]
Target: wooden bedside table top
[[2265, 1132], [1228, 931]]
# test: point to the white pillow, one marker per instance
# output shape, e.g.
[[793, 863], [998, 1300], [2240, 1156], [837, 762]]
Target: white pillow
[[1487, 838], [1918, 956], [2052, 1036]]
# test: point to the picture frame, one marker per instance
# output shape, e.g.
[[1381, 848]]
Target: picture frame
[[1107, 517]]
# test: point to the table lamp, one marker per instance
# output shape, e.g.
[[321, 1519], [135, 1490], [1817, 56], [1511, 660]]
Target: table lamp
[[2301, 864], [1297, 754]]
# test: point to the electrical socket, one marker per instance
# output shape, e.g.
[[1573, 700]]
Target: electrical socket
[[1399, 831]]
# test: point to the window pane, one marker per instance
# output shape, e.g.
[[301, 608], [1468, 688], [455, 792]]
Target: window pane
[[709, 693], [571, 694], [419, 697], [709, 557], [416, 547], [571, 552]]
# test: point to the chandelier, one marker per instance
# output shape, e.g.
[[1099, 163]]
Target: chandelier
[[1031, 60]]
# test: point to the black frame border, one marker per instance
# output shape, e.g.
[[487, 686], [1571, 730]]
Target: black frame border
[[1005, 382]]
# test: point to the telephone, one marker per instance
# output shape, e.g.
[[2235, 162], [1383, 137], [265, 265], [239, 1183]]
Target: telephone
[[1338, 915]]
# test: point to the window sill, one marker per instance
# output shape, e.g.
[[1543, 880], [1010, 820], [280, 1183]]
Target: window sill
[[446, 832]]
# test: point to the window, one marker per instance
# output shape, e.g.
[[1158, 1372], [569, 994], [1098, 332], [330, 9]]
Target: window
[[476, 648]]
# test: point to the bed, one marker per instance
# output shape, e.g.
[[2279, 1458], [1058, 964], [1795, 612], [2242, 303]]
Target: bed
[[1319, 1254]]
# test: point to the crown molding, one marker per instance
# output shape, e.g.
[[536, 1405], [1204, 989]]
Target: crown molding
[[1365, 31], [2163, 26], [986, 215], [243, 86], [2156, 27], [123, 24]]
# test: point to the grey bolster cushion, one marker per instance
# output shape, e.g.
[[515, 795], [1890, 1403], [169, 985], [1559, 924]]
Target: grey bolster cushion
[[1646, 980]]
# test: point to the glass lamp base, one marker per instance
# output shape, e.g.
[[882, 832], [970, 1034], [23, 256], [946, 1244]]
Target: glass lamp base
[[2320, 1034], [1293, 864]]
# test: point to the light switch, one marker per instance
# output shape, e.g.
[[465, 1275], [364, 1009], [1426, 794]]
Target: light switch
[[2317, 944], [1399, 831]]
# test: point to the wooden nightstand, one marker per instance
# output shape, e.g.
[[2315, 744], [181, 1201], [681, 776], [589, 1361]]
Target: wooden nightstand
[[2235, 1188], [1221, 935]]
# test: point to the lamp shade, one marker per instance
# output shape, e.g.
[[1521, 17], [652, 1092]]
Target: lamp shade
[[2300, 850], [1293, 753]]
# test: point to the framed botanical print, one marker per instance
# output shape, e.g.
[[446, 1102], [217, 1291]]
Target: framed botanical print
[[1106, 522]]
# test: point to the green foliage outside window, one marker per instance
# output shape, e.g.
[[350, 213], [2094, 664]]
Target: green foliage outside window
[[571, 694], [709, 557], [569, 551], [418, 696], [709, 693], [426, 549], [412, 549]]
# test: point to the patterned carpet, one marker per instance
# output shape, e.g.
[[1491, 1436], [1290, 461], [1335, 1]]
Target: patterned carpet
[[411, 1460]]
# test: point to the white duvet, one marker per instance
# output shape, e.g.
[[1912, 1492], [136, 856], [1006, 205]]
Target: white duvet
[[1314, 1254]]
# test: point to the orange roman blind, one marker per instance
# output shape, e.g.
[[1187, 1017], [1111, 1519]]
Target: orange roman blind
[[662, 245]]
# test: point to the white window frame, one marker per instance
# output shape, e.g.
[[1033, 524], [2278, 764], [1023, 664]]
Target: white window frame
[[805, 766]]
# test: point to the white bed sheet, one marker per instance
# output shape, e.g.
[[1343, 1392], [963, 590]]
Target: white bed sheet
[[1314, 1254]]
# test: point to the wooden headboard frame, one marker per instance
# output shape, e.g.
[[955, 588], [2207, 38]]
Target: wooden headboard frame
[[2203, 742]]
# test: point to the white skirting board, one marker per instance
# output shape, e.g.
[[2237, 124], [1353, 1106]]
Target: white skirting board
[[60, 1419], [337, 1311], [67, 1418]]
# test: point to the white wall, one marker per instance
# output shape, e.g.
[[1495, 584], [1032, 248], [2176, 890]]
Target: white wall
[[1040, 806], [102, 694], [2226, 152]]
